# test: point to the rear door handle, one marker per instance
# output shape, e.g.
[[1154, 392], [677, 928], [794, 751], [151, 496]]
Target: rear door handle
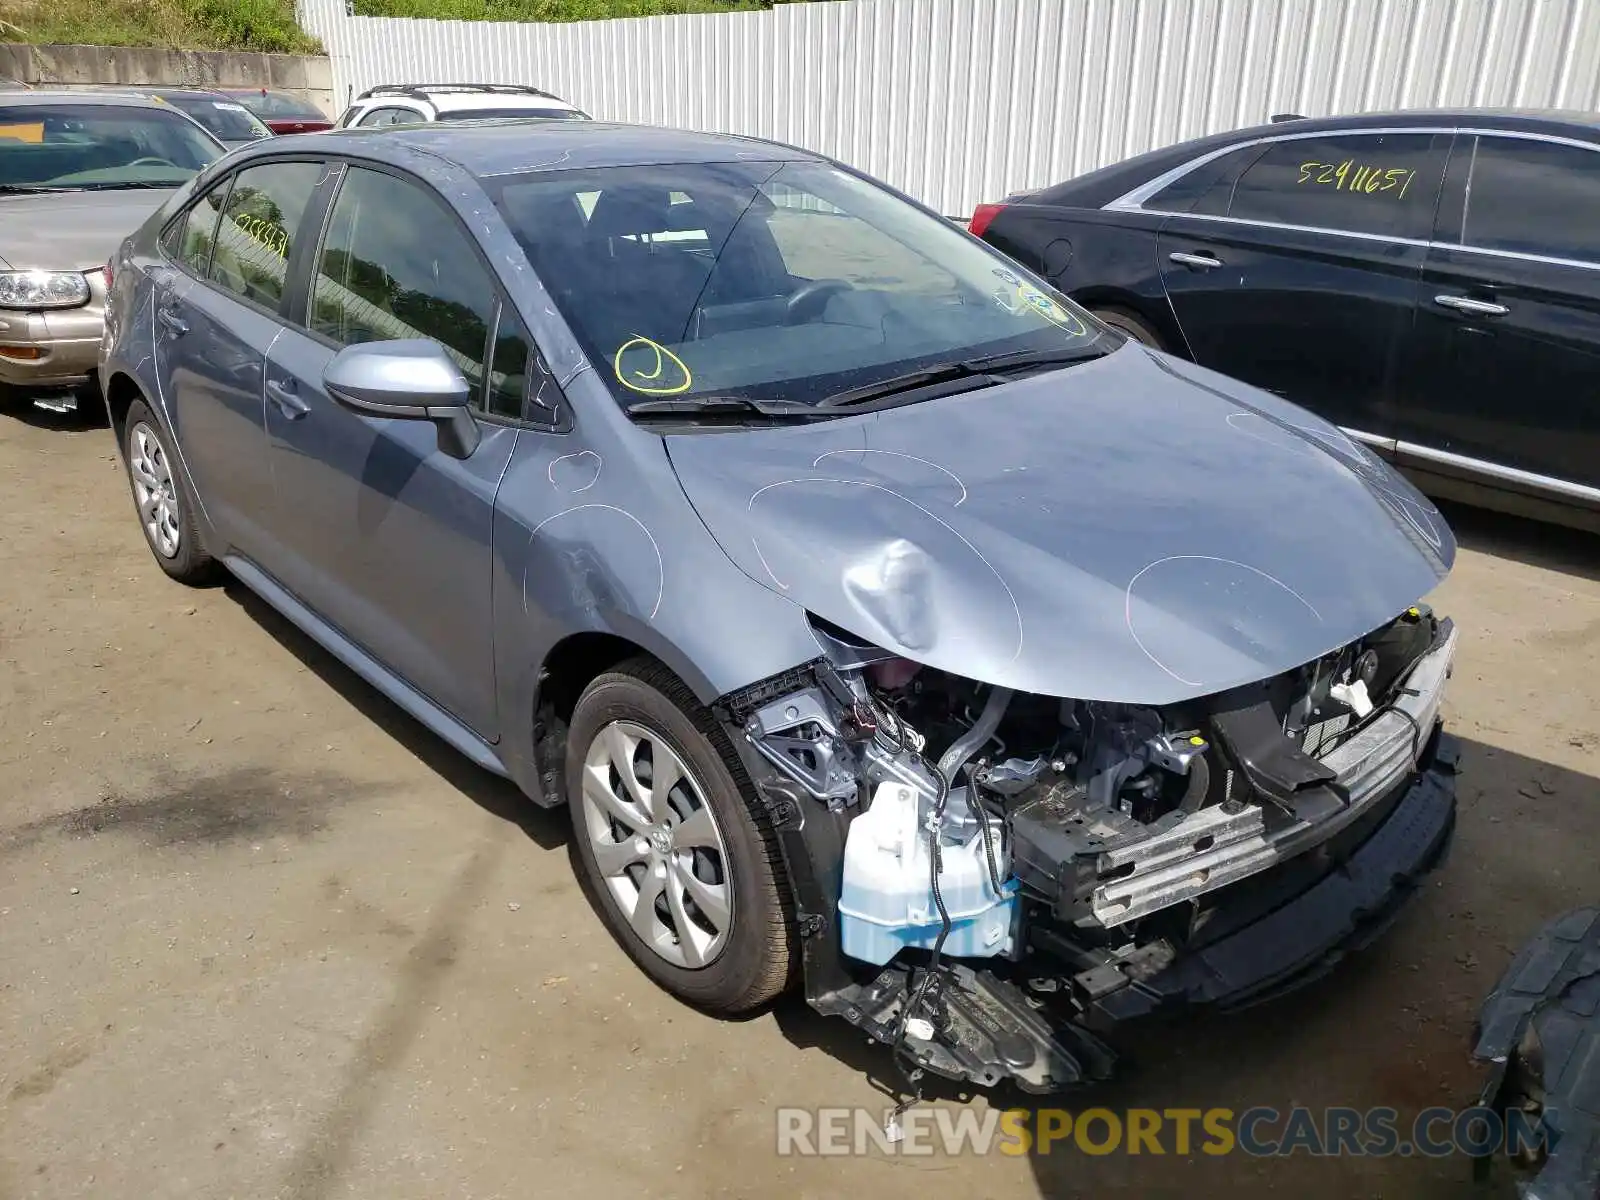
[[1203, 262], [285, 400], [173, 321], [1478, 308]]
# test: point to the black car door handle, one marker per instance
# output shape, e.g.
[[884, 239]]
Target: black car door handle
[[1472, 307], [283, 397], [173, 321], [1202, 262]]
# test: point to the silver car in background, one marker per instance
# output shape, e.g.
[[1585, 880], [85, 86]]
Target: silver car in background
[[78, 173]]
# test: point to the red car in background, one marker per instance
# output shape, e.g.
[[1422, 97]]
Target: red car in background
[[281, 112]]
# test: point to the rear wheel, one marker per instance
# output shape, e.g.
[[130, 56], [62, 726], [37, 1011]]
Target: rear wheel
[[164, 502], [1135, 327], [680, 859]]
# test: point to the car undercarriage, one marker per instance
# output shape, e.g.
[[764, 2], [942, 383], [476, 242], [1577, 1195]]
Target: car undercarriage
[[989, 882]]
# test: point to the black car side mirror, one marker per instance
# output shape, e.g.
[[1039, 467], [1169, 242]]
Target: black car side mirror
[[410, 379]]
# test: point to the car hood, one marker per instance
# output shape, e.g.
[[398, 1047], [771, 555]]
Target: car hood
[[71, 231], [1133, 529]]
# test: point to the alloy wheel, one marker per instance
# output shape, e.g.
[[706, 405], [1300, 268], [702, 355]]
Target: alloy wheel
[[154, 490], [657, 844]]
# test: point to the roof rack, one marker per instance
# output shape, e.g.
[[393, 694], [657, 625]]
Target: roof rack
[[422, 90]]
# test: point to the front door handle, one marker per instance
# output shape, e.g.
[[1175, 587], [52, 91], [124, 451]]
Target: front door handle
[[285, 400], [1478, 308], [174, 323], [1203, 262]]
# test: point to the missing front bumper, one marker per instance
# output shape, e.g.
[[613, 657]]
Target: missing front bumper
[[1281, 936], [1215, 848]]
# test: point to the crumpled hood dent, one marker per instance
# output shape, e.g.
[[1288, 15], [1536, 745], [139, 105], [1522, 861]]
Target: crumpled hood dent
[[1133, 529]]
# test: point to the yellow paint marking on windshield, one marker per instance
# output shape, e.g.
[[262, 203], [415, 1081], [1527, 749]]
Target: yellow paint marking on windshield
[[646, 382], [33, 133], [1051, 311]]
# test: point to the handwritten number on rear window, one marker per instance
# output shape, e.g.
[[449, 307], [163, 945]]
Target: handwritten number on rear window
[[1362, 178]]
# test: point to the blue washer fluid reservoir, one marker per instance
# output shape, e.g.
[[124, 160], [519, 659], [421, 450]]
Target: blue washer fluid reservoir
[[886, 904]]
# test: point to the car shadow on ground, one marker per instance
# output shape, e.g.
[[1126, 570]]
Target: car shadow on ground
[[90, 414], [497, 796], [1522, 539]]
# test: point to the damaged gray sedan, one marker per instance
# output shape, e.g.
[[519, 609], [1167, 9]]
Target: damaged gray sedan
[[891, 628]]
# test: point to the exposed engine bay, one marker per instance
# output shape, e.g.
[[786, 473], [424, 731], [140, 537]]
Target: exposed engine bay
[[989, 874]]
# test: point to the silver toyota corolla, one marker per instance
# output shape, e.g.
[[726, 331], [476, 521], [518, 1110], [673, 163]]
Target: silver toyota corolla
[[886, 622], [78, 172]]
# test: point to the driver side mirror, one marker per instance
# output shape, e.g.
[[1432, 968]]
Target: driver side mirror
[[410, 379]]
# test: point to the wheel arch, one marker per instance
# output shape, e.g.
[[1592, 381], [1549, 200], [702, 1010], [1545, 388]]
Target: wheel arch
[[572, 663], [1157, 315], [121, 390]]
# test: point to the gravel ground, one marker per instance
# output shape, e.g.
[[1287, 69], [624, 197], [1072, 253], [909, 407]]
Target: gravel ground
[[262, 936]]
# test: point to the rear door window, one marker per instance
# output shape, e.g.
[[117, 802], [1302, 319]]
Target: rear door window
[[1385, 184], [200, 229], [1533, 197], [260, 226]]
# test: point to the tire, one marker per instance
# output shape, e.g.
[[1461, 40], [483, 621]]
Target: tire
[[1137, 328], [731, 865], [163, 500]]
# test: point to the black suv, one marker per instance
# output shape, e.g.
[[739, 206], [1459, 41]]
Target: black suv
[[1428, 280]]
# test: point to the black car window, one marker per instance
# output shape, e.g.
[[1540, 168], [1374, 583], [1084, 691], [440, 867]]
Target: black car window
[[200, 229], [223, 119], [381, 118], [395, 264], [1211, 181], [1365, 183], [261, 221], [1534, 198], [508, 366]]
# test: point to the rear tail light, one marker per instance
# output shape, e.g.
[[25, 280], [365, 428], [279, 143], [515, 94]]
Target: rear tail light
[[982, 217], [107, 270]]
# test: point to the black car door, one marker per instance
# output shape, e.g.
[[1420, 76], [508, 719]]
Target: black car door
[[1499, 383], [1296, 271]]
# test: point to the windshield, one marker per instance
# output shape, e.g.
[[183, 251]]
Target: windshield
[[276, 104], [779, 283], [225, 119], [485, 114], [90, 146]]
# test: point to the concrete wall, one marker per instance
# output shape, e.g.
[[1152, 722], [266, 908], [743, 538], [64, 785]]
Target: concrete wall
[[303, 75]]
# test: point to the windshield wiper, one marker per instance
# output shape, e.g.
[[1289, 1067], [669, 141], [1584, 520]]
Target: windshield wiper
[[722, 408], [28, 189], [968, 374], [1035, 358], [108, 186], [965, 374]]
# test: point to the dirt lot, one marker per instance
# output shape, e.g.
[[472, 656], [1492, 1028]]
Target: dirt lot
[[261, 936]]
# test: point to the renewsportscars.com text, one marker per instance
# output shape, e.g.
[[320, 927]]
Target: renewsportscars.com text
[[1260, 1132]]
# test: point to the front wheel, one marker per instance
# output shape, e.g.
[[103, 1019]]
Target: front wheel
[[681, 860]]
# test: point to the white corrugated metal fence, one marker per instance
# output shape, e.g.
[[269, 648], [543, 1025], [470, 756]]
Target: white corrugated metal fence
[[958, 101]]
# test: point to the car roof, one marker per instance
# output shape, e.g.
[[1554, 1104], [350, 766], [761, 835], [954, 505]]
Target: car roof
[[464, 97], [1101, 186], [502, 147], [133, 98]]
